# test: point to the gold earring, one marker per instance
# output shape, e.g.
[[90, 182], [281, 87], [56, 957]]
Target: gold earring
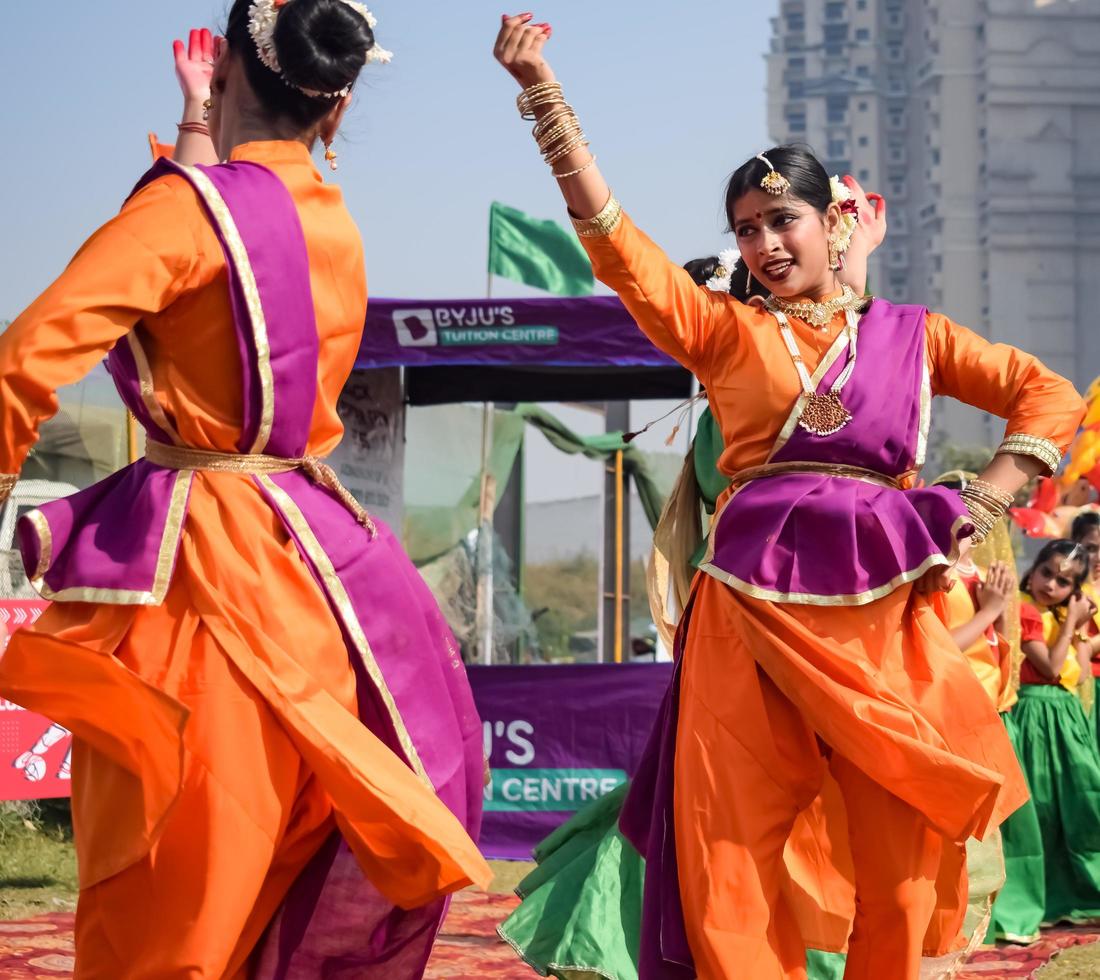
[[330, 155], [834, 256], [206, 107]]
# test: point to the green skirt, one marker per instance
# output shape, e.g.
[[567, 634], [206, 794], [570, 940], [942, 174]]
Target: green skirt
[[1021, 904], [1096, 718], [1058, 751], [581, 913]]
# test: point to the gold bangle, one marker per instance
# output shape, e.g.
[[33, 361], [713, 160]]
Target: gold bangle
[[1048, 453], [560, 154], [551, 118], [601, 224], [991, 491], [579, 170], [536, 95]]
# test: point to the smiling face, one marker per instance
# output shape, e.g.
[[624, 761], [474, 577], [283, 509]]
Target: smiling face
[[1054, 580], [785, 242]]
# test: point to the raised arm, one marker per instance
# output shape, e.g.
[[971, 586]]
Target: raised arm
[[676, 314], [194, 70], [133, 266]]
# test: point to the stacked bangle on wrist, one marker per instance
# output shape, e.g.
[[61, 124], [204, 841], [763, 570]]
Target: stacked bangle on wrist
[[198, 128], [557, 133], [987, 504]]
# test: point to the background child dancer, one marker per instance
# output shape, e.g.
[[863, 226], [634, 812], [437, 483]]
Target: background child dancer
[[1057, 746]]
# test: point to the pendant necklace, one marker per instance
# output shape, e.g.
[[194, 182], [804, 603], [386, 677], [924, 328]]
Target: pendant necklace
[[816, 314], [822, 414]]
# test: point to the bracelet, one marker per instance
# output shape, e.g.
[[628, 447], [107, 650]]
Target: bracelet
[[984, 514], [579, 170], [991, 493], [199, 129], [601, 224], [537, 95], [577, 141], [1048, 453]]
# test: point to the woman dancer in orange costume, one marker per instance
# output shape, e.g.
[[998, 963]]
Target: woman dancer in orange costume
[[810, 641], [273, 734]]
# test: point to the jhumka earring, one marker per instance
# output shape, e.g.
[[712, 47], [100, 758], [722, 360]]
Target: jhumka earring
[[748, 279], [330, 155], [835, 263], [206, 107]]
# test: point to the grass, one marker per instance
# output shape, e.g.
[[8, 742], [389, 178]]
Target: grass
[[37, 860], [1077, 963], [508, 874]]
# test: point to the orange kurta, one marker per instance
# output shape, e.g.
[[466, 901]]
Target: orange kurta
[[187, 845], [773, 694]]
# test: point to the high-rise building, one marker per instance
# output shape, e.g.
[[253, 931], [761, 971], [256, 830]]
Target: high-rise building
[[980, 122]]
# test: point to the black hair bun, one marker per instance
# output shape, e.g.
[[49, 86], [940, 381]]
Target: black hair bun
[[322, 45]]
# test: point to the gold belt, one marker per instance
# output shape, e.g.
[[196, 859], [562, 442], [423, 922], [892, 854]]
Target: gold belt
[[188, 458], [825, 469]]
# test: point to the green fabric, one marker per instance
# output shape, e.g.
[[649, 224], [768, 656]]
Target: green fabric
[[1096, 719], [581, 913], [582, 906], [706, 449], [440, 513], [433, 528], [602, 446], [1057, 745], [1021, 903], [539, 253]]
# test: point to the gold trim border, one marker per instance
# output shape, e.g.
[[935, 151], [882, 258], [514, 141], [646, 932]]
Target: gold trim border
[[604, 223], [824, 366], [45, 543], [1020, 443], [813, 599], [166, 556], [147, 388], [345, 609], [228, 227], [925, 423]]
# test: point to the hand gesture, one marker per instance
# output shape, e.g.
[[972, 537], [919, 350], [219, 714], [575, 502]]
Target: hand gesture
[[871, 229], [994, 592], [1078, 610], [519, 49], [195, 64]]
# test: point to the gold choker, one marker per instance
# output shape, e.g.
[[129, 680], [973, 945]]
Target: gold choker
[[817, 314]]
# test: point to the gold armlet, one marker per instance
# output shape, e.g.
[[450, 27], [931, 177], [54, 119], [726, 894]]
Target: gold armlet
[[1041, 449], [603, 223]]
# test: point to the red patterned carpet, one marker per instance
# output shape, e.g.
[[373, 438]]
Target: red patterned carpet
[[468, 949]]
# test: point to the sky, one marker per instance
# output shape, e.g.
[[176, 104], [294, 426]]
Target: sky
[[672, 97]]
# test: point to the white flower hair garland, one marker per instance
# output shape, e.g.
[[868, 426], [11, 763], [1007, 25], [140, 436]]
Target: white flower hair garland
[[723, 275], [262, 16], [849, 214]]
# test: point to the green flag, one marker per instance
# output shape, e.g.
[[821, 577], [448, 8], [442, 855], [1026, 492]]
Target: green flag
[[538, 253]]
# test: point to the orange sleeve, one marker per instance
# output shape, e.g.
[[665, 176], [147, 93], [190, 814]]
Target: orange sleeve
[[678, 316], [136, 264], [1043, 409]]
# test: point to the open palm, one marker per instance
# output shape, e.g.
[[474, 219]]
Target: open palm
[[195, 63]]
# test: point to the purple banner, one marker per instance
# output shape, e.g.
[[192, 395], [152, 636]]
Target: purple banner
[[557, 739], [591, 331]]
